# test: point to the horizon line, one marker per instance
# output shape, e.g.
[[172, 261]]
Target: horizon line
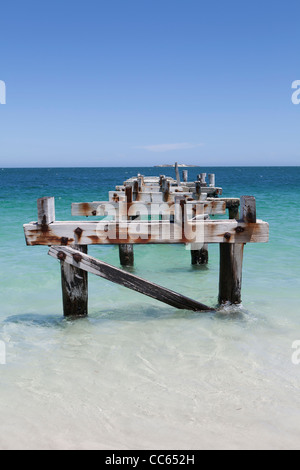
[[139, 166]]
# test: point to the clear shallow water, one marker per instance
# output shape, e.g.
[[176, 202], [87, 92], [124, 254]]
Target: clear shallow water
[[136, 373]]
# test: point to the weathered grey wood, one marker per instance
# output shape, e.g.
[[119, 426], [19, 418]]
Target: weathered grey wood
[[248, 209], [110, 233], [46, 210], [156, 196], [202, 178], [200, 256], [234, 211], [100, 208], [185, 176], [212, 180], [126, 254], [232, 204], [118, 276], [231, 257], [74, 285], [231, 265], [177, 174]]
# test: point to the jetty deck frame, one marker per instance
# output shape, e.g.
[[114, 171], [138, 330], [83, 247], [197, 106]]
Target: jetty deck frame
[[150, 210]]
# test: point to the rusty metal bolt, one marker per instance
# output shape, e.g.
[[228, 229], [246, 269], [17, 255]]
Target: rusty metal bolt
[[61, 255], [64, 240], [240, 229], [77, 257], [227, 236], [78, 231], [94, 213]]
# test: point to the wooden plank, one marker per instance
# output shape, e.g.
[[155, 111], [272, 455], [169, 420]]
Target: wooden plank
[[100, 208], [118, 276], [74, 286], [158, 196], [140, 232]]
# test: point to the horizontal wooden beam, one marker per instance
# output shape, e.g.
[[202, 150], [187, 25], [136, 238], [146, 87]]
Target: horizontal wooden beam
[[101, 208], [140, 232], [160, 196], [118, 276]]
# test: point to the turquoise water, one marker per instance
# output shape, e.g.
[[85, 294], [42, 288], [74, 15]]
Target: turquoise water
[[137, 373]]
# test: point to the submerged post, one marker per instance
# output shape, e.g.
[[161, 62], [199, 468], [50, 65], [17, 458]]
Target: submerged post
[[126, 253], [231, 258], [74, 281], [199, 256]]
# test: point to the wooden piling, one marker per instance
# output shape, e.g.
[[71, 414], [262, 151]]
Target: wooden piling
[[126, 252], [46, 210], [74, 286], [202, 178], [231, 263], [199, 257], [74, 280], [185, 176], [177, 174], [212, 180], [231, 258]]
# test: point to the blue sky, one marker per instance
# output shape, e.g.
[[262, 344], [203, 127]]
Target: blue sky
[[129, 83]]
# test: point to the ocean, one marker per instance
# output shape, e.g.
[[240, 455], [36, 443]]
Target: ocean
[[138, 374]]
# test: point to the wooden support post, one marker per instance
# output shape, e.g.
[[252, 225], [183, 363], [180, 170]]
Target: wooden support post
[[202, 178], [212, 180], [185, 176], [126, 255], [231, 263], [126, 252], [198, 190], [177, 174], [234, 212], [200, 256], [74, 286], [46, 210], [161, 179], [74, 281], [231, 258]]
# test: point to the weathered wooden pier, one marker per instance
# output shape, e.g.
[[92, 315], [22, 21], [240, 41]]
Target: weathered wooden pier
[[150, 210]]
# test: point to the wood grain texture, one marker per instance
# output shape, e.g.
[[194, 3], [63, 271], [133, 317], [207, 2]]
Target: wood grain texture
[[140, 232]]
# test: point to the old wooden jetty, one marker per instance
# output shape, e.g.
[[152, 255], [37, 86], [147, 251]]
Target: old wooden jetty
[[150, 210]]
